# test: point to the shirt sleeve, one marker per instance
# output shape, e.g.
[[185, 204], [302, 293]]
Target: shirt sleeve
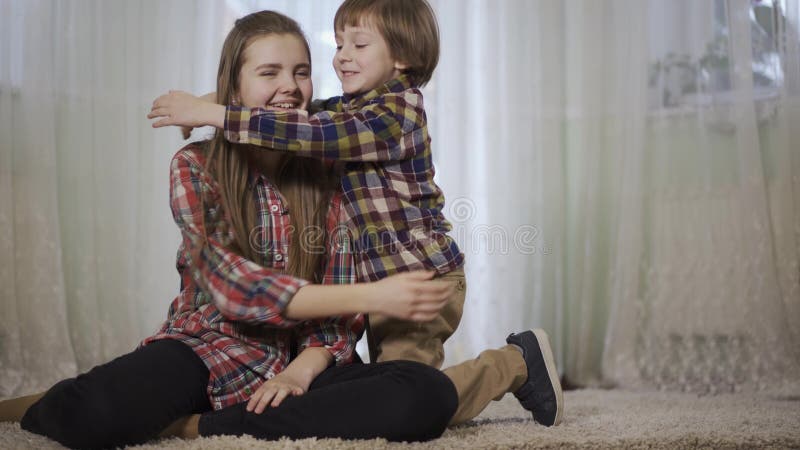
[[390, 128], [338, 335], [240, 289], [333, 104]]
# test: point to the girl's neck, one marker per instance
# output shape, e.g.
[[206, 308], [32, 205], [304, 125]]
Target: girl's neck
[[265, 161]]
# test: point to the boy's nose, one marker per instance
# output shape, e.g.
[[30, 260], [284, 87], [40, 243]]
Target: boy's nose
[[343, 54]]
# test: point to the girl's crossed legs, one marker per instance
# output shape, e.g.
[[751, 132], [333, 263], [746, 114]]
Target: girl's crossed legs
[[134, 397]]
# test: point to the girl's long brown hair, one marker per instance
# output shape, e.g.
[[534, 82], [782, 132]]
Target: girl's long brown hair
[[305, 183]]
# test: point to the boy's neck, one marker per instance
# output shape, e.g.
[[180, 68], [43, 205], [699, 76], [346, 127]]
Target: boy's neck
[[401, 79]]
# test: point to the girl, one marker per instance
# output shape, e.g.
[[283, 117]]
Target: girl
[[226, 352]]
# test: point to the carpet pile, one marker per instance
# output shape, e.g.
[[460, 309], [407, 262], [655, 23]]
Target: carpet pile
[[592, 418]]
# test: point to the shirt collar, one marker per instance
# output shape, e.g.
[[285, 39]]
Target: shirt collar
[[398, 84]]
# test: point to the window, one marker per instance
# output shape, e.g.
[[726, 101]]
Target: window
[[684, 73]]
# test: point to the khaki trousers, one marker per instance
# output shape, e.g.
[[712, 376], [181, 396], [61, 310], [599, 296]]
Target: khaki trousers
[[478, 381]]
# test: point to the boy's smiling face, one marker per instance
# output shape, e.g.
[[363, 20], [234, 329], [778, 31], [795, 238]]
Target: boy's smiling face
[[363, 60]]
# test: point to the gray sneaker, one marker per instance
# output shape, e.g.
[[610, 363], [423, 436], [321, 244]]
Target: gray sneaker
[[541, 394]]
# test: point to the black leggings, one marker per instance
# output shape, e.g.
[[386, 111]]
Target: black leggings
[[134, 397]]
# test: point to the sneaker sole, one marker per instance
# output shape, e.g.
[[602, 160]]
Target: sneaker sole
[[550, 363]]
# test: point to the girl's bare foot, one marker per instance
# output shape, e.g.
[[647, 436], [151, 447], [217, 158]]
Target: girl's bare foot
[[14, 409], [184, 428]]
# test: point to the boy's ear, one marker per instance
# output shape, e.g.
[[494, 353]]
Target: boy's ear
[[401, 66]]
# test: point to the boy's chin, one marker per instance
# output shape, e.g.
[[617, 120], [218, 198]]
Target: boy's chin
[[352, 91], [356, 92]]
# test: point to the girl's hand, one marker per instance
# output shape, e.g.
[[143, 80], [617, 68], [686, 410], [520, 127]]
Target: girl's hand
[[273, 392], [411, 295], [185, 110]]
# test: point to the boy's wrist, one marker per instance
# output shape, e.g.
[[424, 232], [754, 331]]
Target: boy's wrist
[[214, 115], [211, 97]]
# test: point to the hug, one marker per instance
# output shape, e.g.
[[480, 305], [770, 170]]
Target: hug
[[275, 292]]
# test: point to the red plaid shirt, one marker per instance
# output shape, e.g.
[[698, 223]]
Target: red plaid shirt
[[392, 205], [230, 309]]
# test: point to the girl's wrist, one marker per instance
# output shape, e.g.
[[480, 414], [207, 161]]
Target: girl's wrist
[[314, 361], [365, 298], [297, 378]]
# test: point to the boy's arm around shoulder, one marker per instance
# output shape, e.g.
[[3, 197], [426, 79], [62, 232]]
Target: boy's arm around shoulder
[[391, 127]]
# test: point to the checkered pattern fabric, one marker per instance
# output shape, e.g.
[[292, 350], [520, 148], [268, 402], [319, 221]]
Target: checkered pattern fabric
[[393, 208]]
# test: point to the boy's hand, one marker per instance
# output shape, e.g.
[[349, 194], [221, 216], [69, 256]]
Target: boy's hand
[[412, 295], [182, 109], [273, 392]]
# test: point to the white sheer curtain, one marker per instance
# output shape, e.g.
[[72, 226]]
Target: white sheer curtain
[[654, 147], [625, 174], [551, 102], [710, 280], [87, 242]]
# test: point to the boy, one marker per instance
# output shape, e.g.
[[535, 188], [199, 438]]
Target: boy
[[386, 51]]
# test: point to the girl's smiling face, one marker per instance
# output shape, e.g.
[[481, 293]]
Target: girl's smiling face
[[276, 73]]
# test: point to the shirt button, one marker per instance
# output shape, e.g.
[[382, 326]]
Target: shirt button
[[274, 208], [278, 257]]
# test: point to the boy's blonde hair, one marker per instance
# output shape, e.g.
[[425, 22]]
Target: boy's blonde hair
[[408, 26]]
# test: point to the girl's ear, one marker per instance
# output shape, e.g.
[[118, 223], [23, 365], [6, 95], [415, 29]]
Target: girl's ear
[[401, 66], [235, 100]]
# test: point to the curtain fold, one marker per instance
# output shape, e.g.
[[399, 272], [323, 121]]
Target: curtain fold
[[712, 311], [32, 275], [89, 266], [647, 144]]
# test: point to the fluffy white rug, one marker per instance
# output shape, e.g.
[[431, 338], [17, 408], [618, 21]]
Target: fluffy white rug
[[593, 418]]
